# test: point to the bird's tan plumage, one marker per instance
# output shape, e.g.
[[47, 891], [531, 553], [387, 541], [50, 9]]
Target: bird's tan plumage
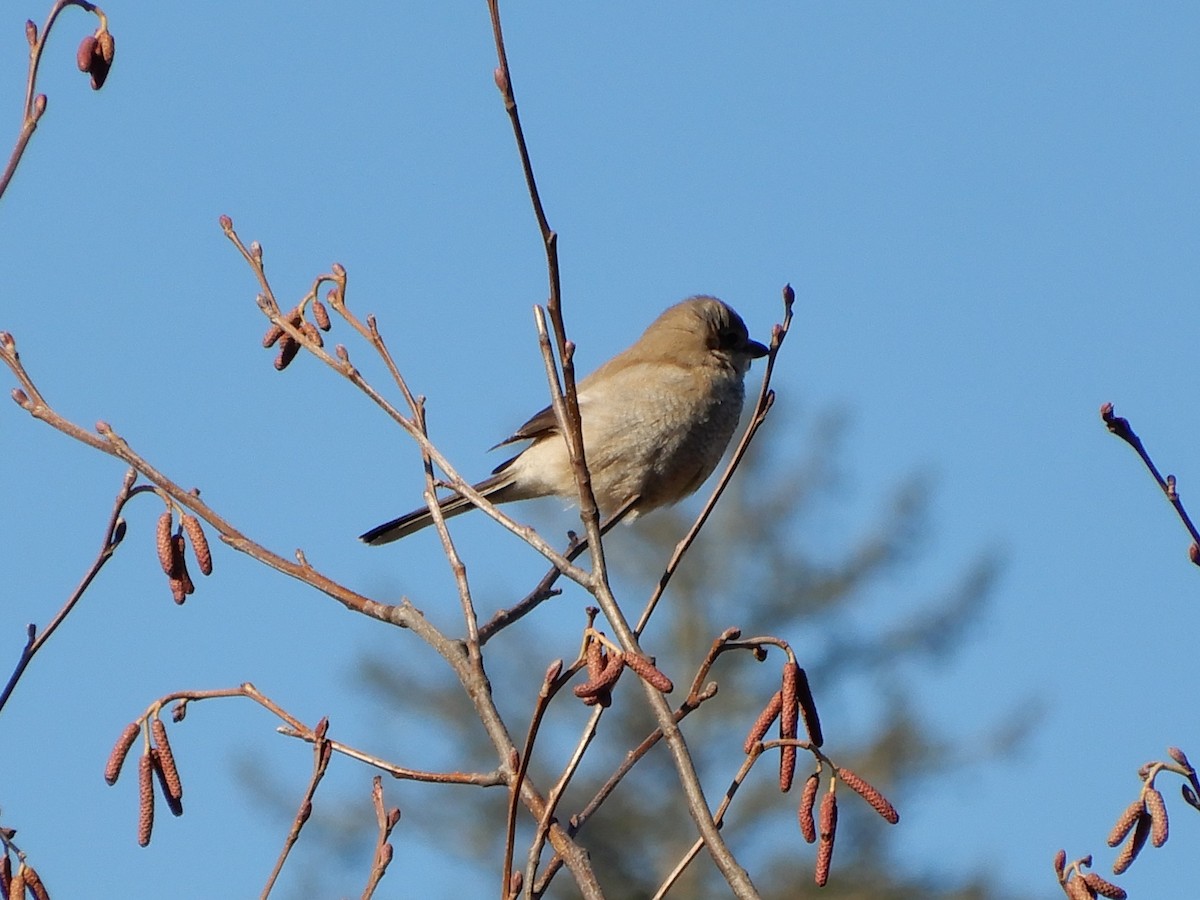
[[656, 417]]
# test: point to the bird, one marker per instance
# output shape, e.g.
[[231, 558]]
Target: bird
[[656, 419]]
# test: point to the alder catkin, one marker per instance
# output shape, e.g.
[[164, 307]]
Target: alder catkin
[[608, 677], [765, 718], [33, 884], [789, 712], [321, 315], [649, 672], [195, 533], [1125, 824], [1104, 887], [828, 829], [808, 709], [162, 543], [1158, 817], [172, 786], [868, 792], [787, 767], [1134, 845], [120, 750], [145, 799], [808, 799]]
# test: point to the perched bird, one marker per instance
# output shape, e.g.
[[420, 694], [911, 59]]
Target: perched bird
[[656, 420]]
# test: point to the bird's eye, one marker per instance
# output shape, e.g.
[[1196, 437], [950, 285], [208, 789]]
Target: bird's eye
[[728, 338]]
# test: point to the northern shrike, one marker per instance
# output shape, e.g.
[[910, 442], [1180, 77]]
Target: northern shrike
[[656, 420]]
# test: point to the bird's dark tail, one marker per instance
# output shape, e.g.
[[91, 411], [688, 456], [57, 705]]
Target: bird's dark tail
[[493, 488]]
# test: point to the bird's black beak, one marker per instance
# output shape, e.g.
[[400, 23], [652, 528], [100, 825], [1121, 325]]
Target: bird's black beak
[[756, 350]]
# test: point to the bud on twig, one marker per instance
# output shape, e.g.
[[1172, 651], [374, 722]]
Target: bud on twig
[[1060, 863]]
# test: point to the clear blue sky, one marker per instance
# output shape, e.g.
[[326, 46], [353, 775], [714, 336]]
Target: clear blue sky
[[990, 213]]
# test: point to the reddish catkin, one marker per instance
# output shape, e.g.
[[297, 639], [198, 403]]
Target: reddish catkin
[[1104, 887], [84, 53], [162, 542], [787, 767], [868, 792], [171, 784], [145, 799], [808, 799], [195, 533], [274, 333], [829, 816], [16, 887], [1125, 824], [765, 718], [5, 873], [1134, 845], [1158, 817], [181, 573], [309, 330], [1077, 889], [594, 654], [321, 315], [173, 803], [808, 709], [120, 750], [608, 677], [789, 711], [649, 672], [288, 348], [33, 883]]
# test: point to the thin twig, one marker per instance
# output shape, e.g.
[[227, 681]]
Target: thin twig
[[386, 819], [321, 756], [35, 104], [1121, 428], [566, 408], [114, 533]]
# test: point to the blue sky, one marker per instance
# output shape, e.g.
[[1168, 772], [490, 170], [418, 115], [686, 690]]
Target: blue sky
[[989, 212]]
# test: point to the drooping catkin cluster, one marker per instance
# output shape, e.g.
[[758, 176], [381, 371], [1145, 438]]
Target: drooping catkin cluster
[[1146, 817], [1080, 885], [157, 762], [170, 545], [16, 885], [603, 671], [289, 347], [95, 56], [604, 668], [791, 704]]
